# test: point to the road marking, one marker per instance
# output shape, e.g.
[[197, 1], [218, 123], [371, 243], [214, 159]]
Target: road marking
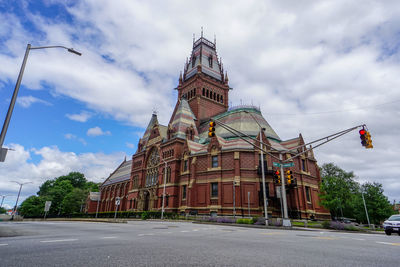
[[60, 240], [3, 244], [274, 233], [325, 237], [361, 239], [388, 243], [184, 231], [195, 230], [108, 237], [144, 234], [166, 233]]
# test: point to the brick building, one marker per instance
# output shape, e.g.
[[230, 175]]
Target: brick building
[[211, 175]]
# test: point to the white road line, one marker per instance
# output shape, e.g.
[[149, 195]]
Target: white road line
[[60, 240], [166, 233], [144, 234], [361, 239], [108, 237], [195, 230], [184, 231], [3, 244], [388, 243]]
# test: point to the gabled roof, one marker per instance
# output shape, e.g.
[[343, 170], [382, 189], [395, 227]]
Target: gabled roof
[[162, 131], [204, 54], [121, 174], [183, 118]]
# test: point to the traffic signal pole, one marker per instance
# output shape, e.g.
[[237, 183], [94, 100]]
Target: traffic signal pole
[[323, 140]]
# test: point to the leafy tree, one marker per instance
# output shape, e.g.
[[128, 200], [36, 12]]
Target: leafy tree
[[73, 201], [2, 210], [338, 189], [378, 205], [33, 206]]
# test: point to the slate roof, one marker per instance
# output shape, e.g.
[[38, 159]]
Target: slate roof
[[203, 49], [183, 119], [121, 174]]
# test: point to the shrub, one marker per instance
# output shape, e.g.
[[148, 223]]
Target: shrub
[[244, 221], [337, 225], [259, 220], [145, 215], [351, 227], [326, 224], [225, 220]]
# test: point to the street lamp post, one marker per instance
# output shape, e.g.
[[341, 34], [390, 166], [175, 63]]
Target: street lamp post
[[98, 200], [163, 198], [19, 192], [3, 151], [2, 200]]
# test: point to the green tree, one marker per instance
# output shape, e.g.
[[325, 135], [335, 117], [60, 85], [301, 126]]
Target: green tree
[[33, 206], [73, 201], [338, 189], [378, 205], [2, 210]]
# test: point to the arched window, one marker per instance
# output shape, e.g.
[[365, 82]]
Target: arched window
[[210, 61], [204, 91], [222, 100], [194, 91], [207, 93], [217, 98], [152, 168]]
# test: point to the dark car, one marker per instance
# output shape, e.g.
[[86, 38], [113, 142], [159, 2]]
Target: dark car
[[392, 225]]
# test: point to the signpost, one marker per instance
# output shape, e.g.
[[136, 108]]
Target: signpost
[[47, 205], [117, 202]]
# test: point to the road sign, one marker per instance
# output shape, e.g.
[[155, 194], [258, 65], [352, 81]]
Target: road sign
[[276, 164], [47, 206], [117, 201], [287, 165]]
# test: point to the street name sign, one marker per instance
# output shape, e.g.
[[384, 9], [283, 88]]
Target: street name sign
[[276, 164], [287, 165]]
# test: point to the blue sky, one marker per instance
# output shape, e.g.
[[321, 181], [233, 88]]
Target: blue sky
[[314, 68]]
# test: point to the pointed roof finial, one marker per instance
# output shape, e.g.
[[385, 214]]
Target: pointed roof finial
[[215, 40], [201, 31], [125, 159], [193, 38], [226, 77]]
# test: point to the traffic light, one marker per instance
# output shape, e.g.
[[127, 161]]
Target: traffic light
[[289, 177], [211, 129], [363, 137], [368, 140], [277, 177]]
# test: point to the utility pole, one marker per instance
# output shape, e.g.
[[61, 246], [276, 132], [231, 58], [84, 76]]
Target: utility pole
[[163, 198], [19, 192], [263, 179], [365, 206], [98, 201], [2, 200]]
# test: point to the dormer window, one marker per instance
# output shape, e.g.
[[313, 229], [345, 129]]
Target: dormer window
[[193, 61], [210, 61]]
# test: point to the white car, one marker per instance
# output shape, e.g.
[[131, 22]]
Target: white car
[[392, 224]]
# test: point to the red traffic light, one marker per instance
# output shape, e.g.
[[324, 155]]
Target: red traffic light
[[362, 131], [277, 172]]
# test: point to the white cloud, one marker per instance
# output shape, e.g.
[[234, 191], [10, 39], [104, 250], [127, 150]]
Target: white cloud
[[130, 145], [314, 68], [97, 131], [81, 117], [52, 163], [70, 136], [27, 101]]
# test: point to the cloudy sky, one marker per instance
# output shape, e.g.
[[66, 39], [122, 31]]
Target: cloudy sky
[[314, 67]]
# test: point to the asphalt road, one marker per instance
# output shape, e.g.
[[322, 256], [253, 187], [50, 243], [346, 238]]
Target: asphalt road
[[151, 243]]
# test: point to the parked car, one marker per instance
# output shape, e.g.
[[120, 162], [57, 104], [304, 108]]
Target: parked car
[[392, 225]]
